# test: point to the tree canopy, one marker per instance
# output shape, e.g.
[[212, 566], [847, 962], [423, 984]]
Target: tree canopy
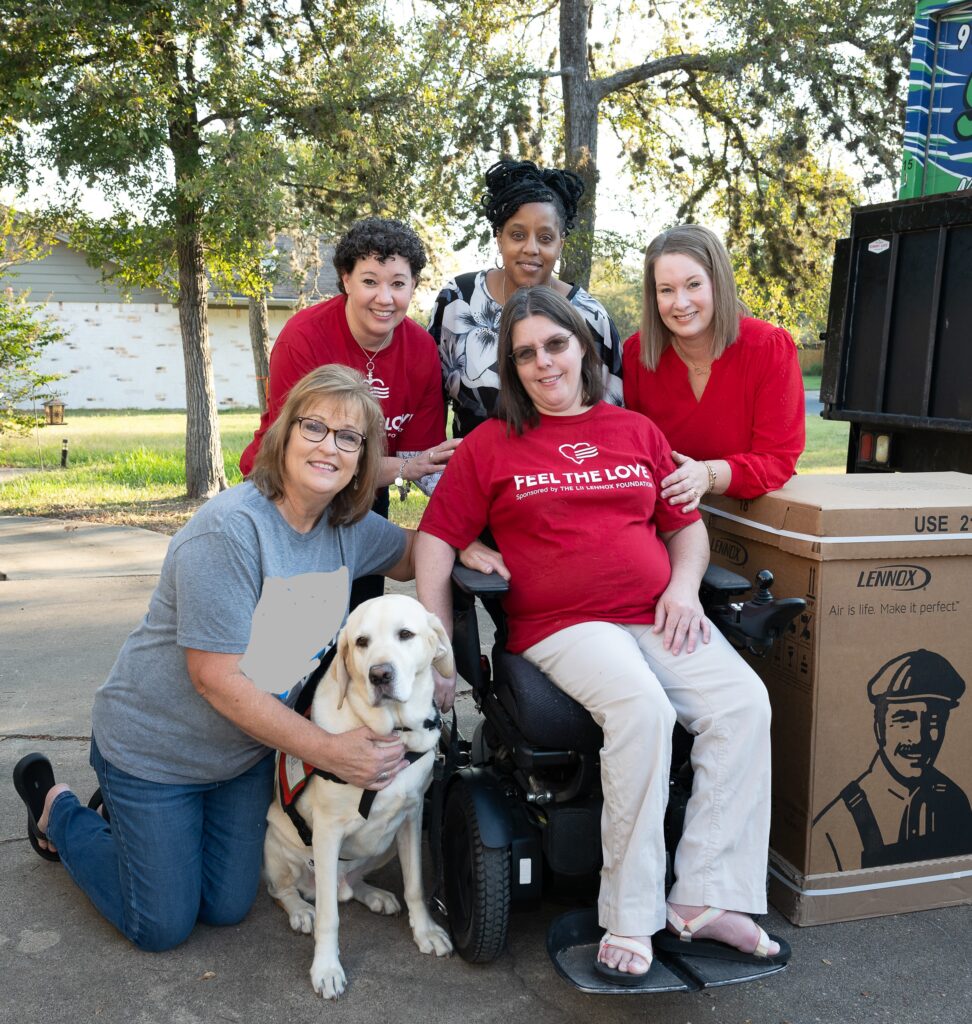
[[210, 124]]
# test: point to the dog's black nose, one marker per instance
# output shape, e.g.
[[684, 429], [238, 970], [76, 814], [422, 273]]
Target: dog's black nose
[[382, 675]]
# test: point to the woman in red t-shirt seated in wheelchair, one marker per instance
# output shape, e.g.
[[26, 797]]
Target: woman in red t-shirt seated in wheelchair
[[603, 597]]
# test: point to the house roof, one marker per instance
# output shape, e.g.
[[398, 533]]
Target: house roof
[[305, 274]]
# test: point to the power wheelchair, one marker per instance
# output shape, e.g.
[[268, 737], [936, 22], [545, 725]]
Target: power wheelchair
[[516, 810]]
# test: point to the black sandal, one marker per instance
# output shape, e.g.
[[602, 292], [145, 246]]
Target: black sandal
[[97, 803], [34, 778]]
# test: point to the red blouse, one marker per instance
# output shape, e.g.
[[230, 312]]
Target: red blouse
[[752, 413]]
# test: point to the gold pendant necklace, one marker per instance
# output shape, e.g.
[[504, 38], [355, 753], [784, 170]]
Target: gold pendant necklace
[[699, 371]]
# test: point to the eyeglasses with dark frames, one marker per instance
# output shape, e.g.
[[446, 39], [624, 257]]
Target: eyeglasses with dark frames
[[315, 430], [527, 353]]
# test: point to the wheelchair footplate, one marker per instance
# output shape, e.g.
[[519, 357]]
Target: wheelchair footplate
[[572, 941]]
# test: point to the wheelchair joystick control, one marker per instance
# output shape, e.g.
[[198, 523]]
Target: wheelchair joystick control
[[764, 580]]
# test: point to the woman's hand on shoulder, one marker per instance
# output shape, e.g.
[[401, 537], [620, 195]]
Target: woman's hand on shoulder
[[687, 484], [679, 615], [483, 558]]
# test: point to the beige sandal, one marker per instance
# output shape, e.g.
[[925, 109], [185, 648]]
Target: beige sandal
[[685, 930], [630, 946]]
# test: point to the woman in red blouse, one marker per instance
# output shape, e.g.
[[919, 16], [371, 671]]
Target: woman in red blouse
[[725, 389]]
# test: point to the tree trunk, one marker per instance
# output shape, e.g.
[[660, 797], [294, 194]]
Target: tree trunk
[[260, 343], [580, 135], [205, 474]]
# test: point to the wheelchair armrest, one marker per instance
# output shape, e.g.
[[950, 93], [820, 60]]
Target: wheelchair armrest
[[756, 626], [479, 584], [723, 583]]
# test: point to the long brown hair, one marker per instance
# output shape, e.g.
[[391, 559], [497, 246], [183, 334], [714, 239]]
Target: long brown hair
[[348, 389], [514, 403], [706, 248]]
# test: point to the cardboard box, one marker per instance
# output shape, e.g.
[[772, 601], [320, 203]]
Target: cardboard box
[[871, 688]]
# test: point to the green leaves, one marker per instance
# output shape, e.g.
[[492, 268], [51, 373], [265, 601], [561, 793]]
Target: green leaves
[[23, 336]]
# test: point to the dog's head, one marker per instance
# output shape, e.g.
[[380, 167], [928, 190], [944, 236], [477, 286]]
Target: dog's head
[[386, 648]]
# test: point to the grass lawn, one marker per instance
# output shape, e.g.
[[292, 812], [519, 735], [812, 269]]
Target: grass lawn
[[127, 467]]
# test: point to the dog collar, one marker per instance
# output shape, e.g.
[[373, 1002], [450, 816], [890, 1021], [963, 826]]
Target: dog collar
[[434, 721]]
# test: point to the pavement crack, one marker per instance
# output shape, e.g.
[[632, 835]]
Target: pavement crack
[[46, 737]]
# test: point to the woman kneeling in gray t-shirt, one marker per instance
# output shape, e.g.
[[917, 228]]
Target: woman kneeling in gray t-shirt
[[251, 590]]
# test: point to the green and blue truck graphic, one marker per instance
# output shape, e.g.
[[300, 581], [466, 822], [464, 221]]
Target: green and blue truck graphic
[[938, 119]]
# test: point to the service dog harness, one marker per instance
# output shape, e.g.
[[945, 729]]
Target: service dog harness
[[293, 773]]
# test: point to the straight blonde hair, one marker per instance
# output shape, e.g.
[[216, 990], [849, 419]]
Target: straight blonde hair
[[706, 248], [348, 389]]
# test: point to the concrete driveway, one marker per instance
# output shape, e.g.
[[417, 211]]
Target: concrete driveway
[[71, 595]]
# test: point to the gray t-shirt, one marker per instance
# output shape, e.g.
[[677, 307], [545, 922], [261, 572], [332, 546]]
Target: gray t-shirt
[[148, 720]]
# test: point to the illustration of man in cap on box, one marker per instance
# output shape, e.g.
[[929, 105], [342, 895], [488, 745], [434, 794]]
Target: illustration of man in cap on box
[[903, 808]]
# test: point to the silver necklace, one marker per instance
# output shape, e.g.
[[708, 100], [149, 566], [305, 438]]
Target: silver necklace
[[370, 356]]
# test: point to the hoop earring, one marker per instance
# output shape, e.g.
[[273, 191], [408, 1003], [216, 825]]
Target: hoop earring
[[558, 263], [498, 262]]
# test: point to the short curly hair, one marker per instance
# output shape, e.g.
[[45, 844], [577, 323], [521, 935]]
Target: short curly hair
[[382, 238], [511, 184]]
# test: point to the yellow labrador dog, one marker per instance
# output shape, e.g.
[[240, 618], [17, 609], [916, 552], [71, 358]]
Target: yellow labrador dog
[[381, 676]]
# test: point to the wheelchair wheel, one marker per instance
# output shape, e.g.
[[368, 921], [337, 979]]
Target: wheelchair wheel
[[477, 882]]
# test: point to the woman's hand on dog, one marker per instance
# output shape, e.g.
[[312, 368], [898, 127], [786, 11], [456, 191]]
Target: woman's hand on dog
[[363, 758]]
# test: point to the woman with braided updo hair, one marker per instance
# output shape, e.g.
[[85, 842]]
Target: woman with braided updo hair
[[531, 210]]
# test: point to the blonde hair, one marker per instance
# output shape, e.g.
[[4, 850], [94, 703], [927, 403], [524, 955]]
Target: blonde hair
[[348, 389], [706, 248]]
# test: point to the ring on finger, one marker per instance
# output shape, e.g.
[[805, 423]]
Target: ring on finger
[[382, 776]]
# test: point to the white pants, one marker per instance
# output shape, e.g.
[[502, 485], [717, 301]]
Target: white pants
[[636, 690]]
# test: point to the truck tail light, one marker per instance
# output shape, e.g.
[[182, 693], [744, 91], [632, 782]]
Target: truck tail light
[[865, 447], [882, 449], [873, 449]]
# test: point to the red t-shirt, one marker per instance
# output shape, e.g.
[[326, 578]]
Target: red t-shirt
[[407, 375], [572, 506], [752, 412]]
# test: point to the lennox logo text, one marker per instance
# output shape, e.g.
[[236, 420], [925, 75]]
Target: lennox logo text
[[895, 577], [732, 551]]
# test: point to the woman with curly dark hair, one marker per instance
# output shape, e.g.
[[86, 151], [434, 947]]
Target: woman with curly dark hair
[[531, 210], [378, 262]]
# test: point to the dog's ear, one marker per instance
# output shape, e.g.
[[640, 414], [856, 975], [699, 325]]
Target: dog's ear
[[342, 671], [442, 660]]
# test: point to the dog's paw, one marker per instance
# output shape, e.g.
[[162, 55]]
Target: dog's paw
[[328, 979], [303, 920], [378, 901], [432, 939]]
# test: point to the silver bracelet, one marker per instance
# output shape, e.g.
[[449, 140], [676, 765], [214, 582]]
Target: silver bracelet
[[403, 485]]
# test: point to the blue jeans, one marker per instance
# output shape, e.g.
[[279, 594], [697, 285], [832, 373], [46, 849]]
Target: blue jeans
[[172, 855]]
